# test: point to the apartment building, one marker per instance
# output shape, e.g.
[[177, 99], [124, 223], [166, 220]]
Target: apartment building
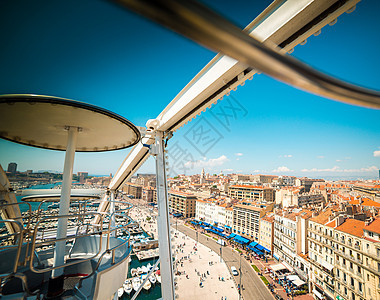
[[229, 218], [210, 211], [290, 238], [182, 203], [257, 193], [150, 194], [321, 254], [266, 230], [246, 220], [133, 189], [263, 178], [307, 182], [345, 257]]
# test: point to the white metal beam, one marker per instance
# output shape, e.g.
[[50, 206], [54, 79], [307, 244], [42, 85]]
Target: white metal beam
[[276, 24]]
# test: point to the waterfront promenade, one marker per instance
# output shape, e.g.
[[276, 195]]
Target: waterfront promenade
[[199, 270]]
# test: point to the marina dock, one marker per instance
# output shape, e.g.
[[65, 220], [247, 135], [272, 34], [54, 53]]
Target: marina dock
[[147, 254]]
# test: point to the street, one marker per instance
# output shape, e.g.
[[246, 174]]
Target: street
[[253, 287]]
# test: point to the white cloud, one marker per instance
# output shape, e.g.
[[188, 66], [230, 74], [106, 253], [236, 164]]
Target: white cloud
[[339, 170], [286, 156], [333, 169], [210, 163], [376, 153], [338, 160], [256, 171], [282, 169], [239, 154], [228, 170], [320, 156]]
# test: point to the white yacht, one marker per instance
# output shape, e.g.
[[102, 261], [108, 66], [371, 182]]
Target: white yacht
[[147, 284], [152, 279], [127, 287], [136, 282]]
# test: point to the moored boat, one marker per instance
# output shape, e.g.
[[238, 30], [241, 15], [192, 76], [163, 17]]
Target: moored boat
[[147, 284], [127, 287], [144, 269], [152, 279], [136, 283], [120, 292]]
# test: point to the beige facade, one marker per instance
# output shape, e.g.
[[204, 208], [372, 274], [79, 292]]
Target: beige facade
[[182, 203], [345, 257], [266, 232], [251, 192], [246, 220], [150, 194], [133, 189]]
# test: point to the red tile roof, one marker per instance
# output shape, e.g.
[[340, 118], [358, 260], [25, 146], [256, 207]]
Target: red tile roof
[[353, 227], [374, 226]]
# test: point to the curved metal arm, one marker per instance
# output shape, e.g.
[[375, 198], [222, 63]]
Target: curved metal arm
[[204, 26]]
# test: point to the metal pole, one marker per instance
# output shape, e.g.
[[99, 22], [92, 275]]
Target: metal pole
[[64, 208], [240, 278], [220, 253], [112, 210], [163, 222]]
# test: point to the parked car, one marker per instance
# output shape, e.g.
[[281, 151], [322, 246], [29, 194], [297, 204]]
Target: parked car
[[278, 297], [234, 271]]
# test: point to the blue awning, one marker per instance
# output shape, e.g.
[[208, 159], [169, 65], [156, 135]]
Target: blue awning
[[206, 224], [258, 246], [203, 226], [240, 239], [267, 250], [276, 257], [257, 251], [218, 229], [228, 227], [231, 235], [253, 244], [178, 215]]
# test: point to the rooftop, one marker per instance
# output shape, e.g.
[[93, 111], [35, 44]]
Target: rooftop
[[353, 227], [374, 226]]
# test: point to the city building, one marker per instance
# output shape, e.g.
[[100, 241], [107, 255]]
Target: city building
[[263, 178], [149, 194], [307, 182], [290, 238], [134, 190], [266, 229], [211, 211], [345, 257], [246, 219], [12, 168], [252, 192], [82, 176], [182, 204]]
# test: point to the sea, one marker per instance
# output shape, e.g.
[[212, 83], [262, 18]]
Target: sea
[[153, 293], [24, 207]]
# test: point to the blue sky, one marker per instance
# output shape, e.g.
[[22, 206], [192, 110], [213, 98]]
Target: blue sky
[[95, 52]]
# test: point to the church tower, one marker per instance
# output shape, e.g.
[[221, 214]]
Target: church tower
[[202, 180]]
